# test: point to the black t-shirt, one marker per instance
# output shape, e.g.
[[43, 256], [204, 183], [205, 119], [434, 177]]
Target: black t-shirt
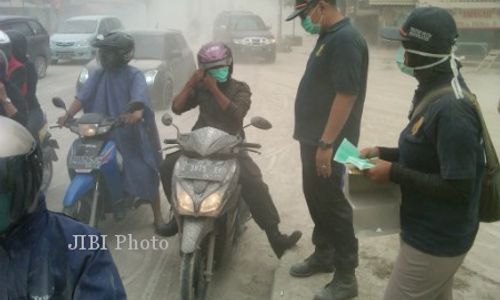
[[211, 114], [338, 63], [445, 140]]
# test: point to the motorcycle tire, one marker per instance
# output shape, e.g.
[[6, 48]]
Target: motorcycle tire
[[193, 281]]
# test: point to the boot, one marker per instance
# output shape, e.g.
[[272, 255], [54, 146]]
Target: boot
[[167, 230], [321, 261], [281, 242], [343, 286]]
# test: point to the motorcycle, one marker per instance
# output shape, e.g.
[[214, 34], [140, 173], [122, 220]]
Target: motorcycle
[[207, 201], [49, 146], [95, 166]]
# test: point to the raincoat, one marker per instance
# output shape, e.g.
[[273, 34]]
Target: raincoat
[[109, 92], [36, 261]]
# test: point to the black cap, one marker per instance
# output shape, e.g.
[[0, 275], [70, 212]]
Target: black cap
[[431, 27], [300, 7]]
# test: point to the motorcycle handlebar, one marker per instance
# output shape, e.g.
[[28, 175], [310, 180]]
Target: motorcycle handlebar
[[251, 145], [170, 141]]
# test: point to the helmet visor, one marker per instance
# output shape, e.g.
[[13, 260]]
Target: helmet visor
[[8, 171]]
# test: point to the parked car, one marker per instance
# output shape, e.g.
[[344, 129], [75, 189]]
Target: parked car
[[37, 36], [72, 41], [246, 34], [165, 59]]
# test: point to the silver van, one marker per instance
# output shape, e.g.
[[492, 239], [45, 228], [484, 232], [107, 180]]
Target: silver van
[[72, 41]]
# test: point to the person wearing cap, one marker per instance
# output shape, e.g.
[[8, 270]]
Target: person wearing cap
[[223, 103], [328, 109], [36, 260], [439, 162], [12, 103]]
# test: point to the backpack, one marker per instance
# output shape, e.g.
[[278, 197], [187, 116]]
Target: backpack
[[489, 201]]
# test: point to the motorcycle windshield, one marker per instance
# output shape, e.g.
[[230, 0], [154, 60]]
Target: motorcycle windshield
[[208, 140]]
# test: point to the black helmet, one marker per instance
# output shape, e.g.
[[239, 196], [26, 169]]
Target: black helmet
[[19, 45], [115, 48], [21, 170]]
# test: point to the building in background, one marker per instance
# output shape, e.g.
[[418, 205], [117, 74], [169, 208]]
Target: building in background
[[478, 21]]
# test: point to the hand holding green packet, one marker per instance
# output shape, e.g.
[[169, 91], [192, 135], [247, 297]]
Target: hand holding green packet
[[347, 153]]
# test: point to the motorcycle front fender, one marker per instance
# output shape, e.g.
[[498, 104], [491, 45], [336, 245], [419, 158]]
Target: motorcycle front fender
[[79, 186], [194, 230]]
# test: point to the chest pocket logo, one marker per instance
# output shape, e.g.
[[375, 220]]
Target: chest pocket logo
[[417, 125], [320, 50]]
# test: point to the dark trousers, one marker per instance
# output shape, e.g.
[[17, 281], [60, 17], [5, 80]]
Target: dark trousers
[[330, 211], [254, 190]]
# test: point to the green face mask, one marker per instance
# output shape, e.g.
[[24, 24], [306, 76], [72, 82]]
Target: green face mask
[[220, 74], [309, 26], [5, 205], [400, 61]]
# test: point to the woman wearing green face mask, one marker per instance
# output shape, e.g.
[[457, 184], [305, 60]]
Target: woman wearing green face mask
[[223, 103]]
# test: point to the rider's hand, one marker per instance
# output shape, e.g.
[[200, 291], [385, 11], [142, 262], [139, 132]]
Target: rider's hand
[[210, 83], [197, 77], [61, 121], [369, 152], [132, 118]]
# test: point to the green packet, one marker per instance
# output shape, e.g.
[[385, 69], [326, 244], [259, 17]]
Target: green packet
[[347, 153]]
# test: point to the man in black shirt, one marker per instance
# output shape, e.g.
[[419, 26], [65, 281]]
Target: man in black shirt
[[328, 108]]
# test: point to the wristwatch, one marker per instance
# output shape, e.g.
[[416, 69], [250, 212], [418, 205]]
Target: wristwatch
[[324, 145]]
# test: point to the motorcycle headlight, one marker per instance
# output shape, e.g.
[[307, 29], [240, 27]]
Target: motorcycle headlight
[[84, 76], [88, 130], [211, 204], [151, 76], [184, 201]]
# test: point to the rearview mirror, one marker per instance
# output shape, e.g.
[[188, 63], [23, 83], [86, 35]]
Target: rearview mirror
[[261, 123], [167, 119], [135, 106], [59, 103]]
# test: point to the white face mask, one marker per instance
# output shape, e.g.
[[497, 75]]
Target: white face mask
[[455, 84]]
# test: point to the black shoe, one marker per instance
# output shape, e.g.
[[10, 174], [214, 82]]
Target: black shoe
[[342, 287], [318, 262], [167, 230], [282, 242]]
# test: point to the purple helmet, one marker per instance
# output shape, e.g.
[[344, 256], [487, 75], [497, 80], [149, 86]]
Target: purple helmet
[[214, 55]]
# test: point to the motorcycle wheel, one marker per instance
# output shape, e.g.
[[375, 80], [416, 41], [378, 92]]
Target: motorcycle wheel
[[48, 173], [193, 282]]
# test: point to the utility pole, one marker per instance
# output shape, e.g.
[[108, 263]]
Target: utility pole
[[280, 21]]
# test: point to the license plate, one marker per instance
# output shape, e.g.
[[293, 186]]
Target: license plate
[[202, 172], [64, 56]]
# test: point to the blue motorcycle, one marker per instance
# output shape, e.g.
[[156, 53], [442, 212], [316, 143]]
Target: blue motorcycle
[[95, 167]]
